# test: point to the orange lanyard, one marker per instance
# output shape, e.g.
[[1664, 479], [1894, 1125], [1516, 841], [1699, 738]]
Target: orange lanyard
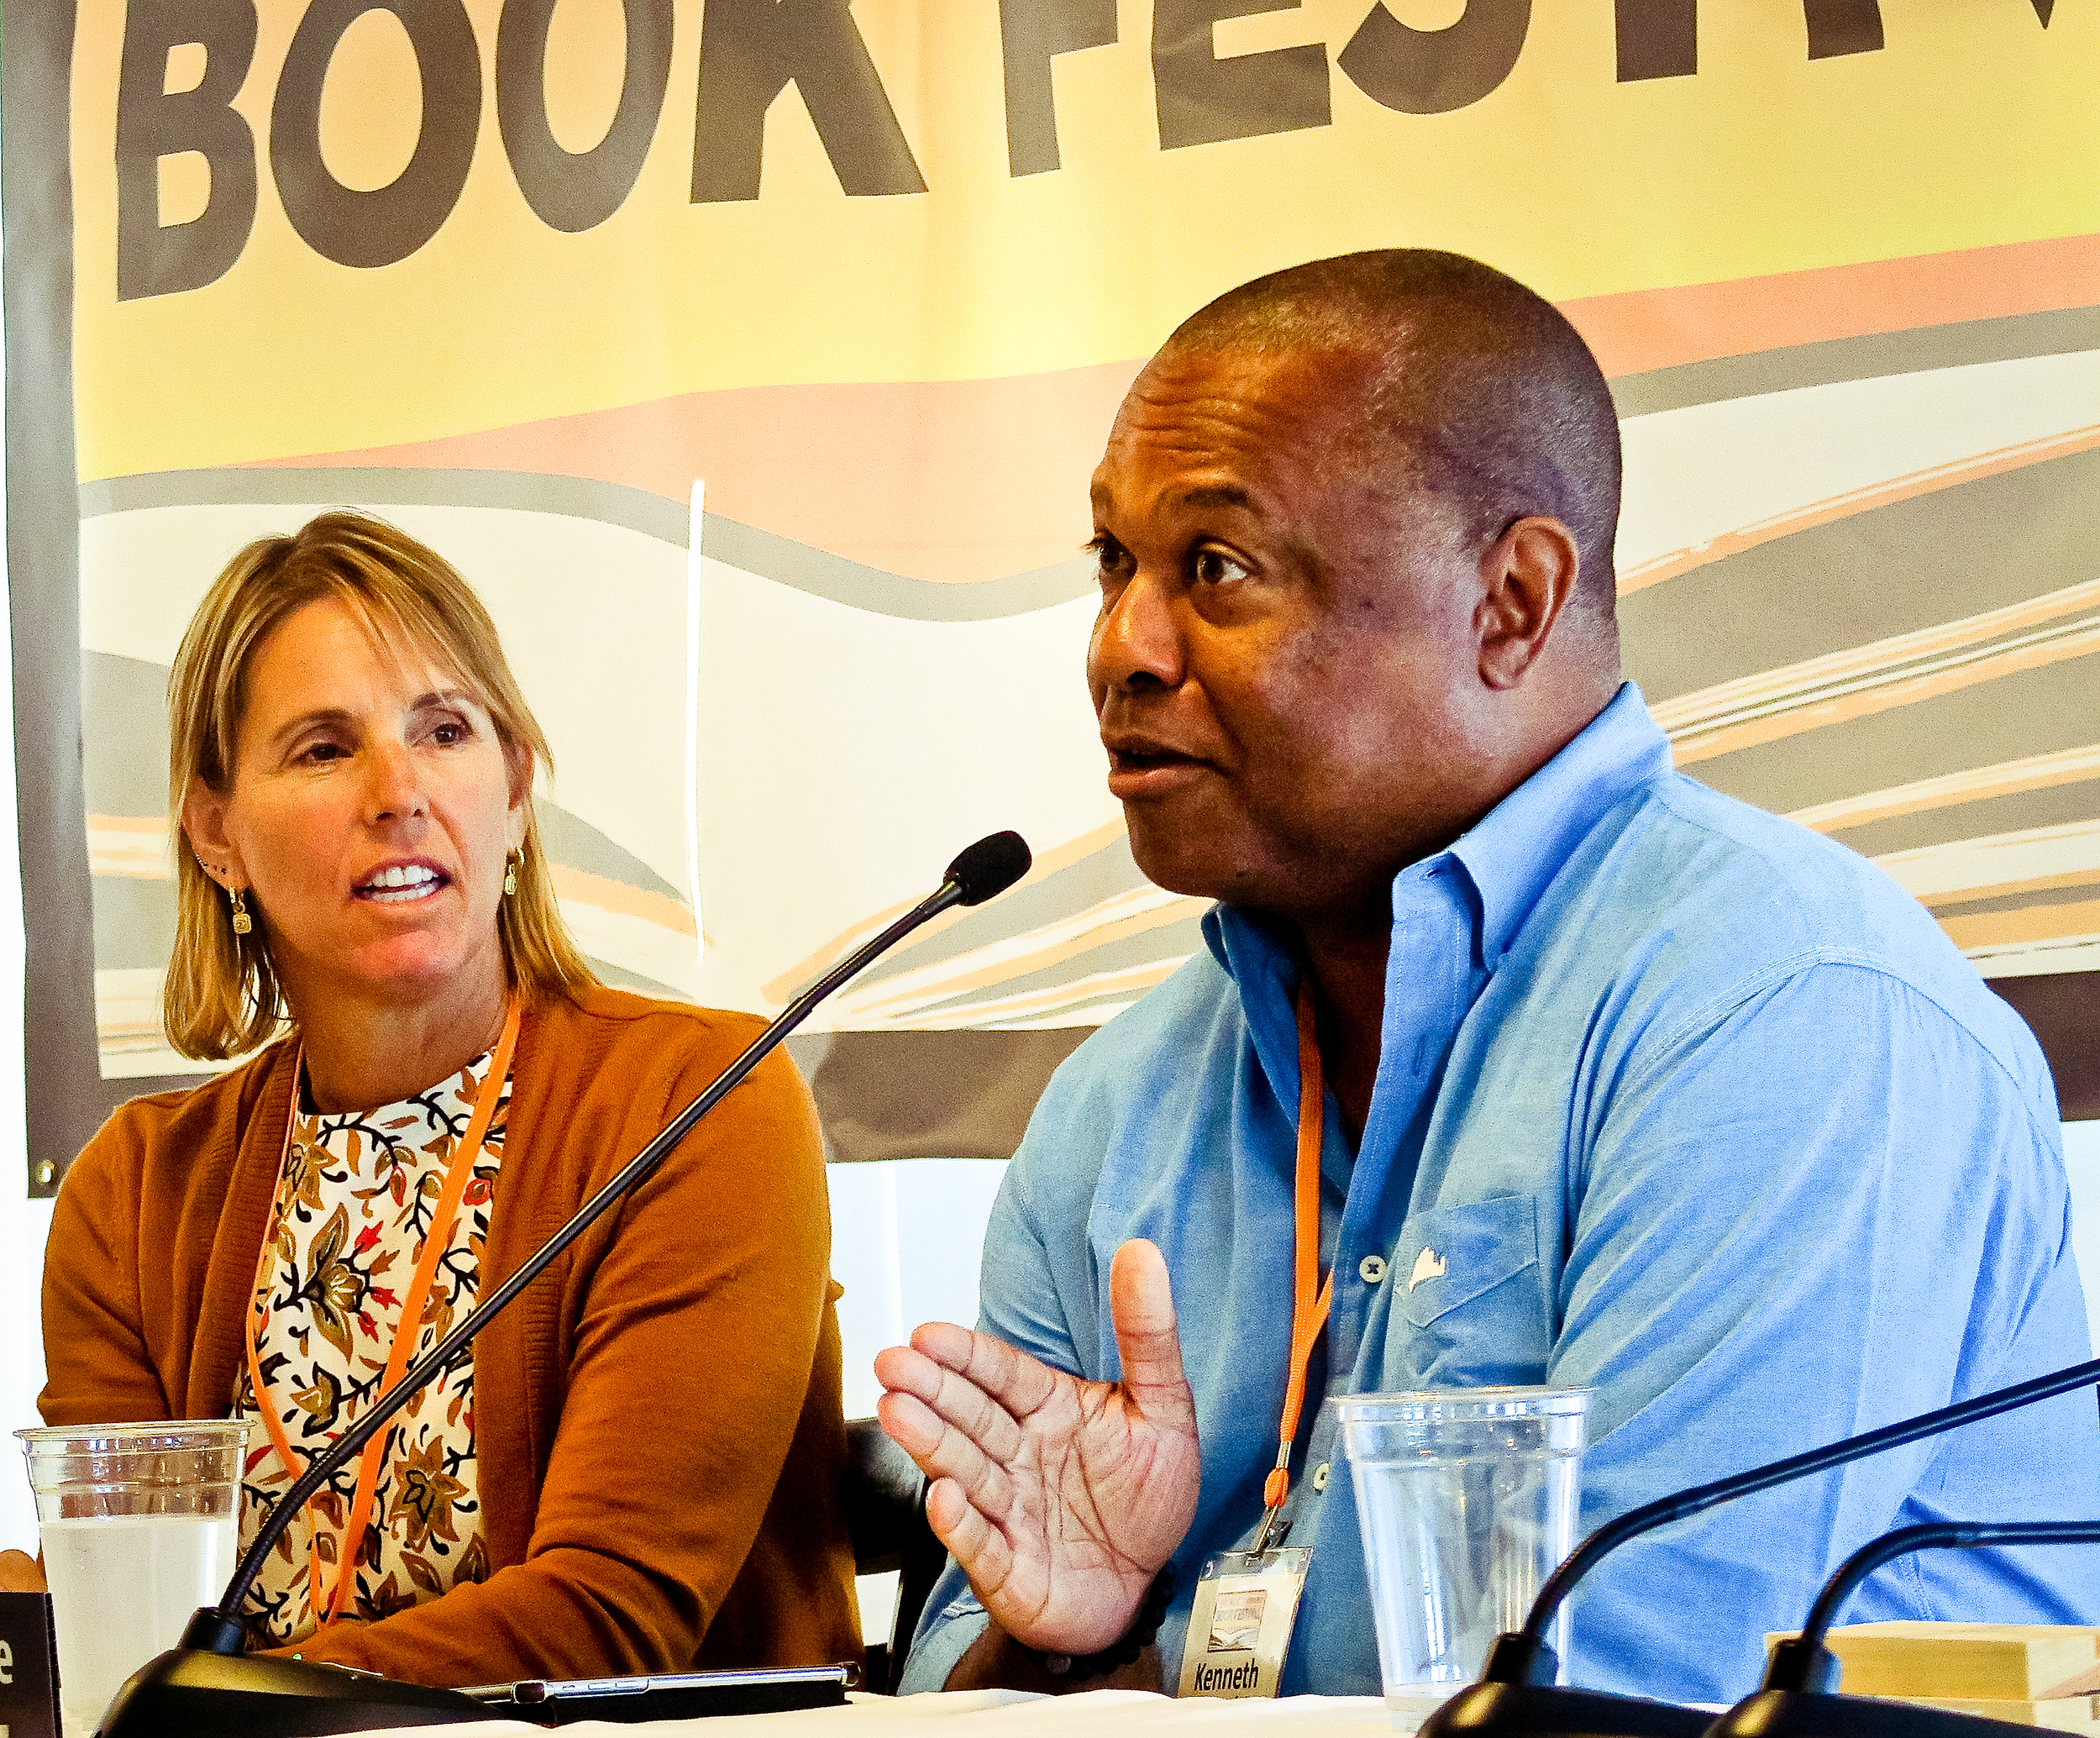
[[458, 1169], [1308, 1313]]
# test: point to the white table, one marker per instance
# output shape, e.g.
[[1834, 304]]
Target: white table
[[997, 1713]]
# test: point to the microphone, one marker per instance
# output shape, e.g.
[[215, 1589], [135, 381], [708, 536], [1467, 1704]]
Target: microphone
[[1516, 1696], [987, 868], [207, 1685], [1795, 1700]]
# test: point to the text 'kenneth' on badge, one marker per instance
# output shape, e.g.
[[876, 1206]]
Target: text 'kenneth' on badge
[[1240, 1628]]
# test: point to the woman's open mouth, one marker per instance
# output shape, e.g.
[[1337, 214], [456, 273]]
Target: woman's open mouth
[[403, 884]]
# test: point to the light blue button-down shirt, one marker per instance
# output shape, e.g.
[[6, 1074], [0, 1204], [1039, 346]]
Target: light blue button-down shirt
[[1693, 1107]]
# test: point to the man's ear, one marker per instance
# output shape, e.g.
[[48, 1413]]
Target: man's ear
[[204, 825], [1528, 574]]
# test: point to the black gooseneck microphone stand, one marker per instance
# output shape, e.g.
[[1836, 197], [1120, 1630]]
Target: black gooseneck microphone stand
[[1516, 1696], [207, 1687], [1797, 1699]]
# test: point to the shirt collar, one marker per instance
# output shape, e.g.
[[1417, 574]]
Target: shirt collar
[[1518, 846], [1511, 853]]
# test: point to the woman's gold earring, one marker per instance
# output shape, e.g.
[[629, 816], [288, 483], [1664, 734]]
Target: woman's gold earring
[[242, 921], [511, 870]]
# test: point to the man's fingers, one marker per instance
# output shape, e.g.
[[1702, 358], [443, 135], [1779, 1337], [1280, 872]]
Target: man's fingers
[[904, 1370], [907, 1370], [978, 1416], [942, 1452], [1018, 1381], [944, 1342], [910, 1423], [1141, 1301], [979, 1548], [924, 1435]]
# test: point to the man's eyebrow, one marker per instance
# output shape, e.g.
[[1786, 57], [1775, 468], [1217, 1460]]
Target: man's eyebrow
[[1204, 494], [1216, 495]]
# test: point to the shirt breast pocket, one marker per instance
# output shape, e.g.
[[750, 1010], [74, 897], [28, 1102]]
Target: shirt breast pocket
[[1471, 1291]]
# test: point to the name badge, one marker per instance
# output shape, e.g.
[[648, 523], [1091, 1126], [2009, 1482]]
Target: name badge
[[1240, 1628]]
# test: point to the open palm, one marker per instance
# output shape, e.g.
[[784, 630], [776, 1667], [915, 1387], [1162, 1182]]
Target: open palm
[[1060, 1497]]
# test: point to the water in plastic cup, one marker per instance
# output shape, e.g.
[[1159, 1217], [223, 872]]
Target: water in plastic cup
[[139, 1524], [1467, 1499]]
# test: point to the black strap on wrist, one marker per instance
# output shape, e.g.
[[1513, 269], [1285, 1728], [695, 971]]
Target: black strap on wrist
[[1143, 1631]]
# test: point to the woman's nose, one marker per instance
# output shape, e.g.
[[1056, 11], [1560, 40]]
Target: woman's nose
[[393, 788]]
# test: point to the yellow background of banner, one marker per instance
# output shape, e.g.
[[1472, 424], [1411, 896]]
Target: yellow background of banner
[[1973, 127]]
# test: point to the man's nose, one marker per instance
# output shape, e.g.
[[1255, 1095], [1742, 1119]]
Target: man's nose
[[1136, 643]]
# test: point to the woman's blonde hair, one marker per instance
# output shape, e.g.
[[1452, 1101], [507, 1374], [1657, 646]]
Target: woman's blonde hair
[[222, 996]]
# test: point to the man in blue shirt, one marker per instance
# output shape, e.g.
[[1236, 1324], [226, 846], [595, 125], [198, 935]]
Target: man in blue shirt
[[1630, 1086]]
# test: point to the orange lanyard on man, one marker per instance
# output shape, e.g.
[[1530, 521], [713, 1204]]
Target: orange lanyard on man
[[1309, 1313], [1246, 1603], [459, 1170]]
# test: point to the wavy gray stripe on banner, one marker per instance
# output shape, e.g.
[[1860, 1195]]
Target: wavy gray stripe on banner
[[1918, 350], [927, 1095], [2045, 709], [822, 575], [2017, 811], [1036, 904], [1178, 940], [1898, 568], [654, 516], [815, 572]]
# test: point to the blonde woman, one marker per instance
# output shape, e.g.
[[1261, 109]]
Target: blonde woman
[[635, 1469]]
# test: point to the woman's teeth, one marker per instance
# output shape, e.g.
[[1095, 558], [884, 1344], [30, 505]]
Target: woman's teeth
[[395, 886]]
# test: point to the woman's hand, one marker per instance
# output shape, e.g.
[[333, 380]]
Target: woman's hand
[[20, 1574]]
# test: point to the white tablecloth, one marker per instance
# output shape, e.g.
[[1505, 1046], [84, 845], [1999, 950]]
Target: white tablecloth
[[1000, 1714]]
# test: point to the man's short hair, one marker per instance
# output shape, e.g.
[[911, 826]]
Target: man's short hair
[[1485, 391]]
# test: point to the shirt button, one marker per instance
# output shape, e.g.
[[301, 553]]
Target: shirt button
[[1320, 1476], [1372, 1268]]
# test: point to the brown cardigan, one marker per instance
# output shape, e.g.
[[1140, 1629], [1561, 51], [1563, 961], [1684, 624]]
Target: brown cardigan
[[657, 1422]]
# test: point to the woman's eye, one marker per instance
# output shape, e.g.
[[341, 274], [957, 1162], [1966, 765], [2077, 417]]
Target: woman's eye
[[450, 732], [319, 753], [1214, 567]]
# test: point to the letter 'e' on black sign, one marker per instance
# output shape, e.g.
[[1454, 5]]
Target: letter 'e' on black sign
[[29, 1668]]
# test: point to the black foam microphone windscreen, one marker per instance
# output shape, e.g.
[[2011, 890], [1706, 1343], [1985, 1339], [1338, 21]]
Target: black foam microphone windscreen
[[987, 868]]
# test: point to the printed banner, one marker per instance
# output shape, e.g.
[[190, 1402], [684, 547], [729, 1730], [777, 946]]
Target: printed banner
[[750, 357]]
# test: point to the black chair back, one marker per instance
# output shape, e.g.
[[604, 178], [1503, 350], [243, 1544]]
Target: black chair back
[[885, 1514]]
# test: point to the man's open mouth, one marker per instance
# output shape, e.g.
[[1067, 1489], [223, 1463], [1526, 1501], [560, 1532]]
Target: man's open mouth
[[1141, 760]]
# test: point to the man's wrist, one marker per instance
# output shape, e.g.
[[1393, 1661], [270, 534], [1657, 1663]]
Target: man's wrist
[[1143, 1631], [995, 1660]]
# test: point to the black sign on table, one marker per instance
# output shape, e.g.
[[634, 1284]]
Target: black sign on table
[[29, 1668]]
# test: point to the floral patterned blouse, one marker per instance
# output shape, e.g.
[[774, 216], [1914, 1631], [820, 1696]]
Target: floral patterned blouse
[[352, 1208]]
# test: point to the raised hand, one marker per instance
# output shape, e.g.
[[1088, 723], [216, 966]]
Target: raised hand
[[1060, 1497]]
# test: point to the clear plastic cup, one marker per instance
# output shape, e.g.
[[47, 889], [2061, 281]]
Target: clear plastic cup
[[140, 1526], [1468, 1500]]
